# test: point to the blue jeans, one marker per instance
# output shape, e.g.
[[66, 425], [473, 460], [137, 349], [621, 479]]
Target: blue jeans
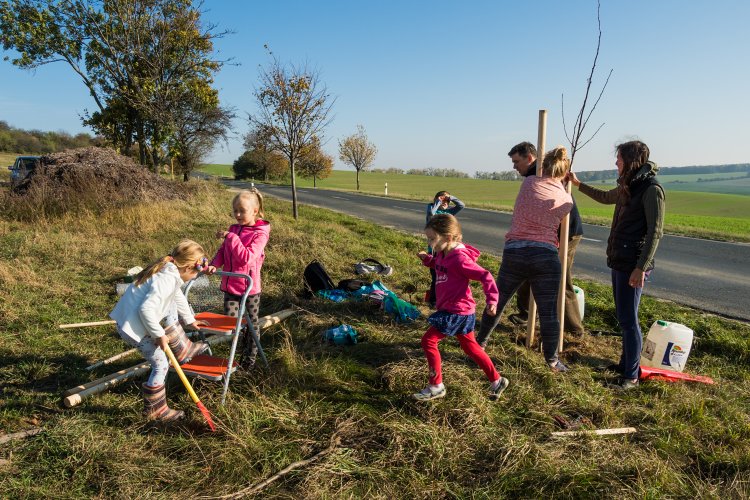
[[541, 268], [627, 300]]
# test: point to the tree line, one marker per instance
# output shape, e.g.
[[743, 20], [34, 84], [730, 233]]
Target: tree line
[[36, 142], [148, 67]]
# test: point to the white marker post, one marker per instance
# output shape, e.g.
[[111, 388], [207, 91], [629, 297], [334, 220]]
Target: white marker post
[[386, 189]]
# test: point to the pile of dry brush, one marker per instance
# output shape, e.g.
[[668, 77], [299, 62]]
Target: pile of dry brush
[[85, 179]]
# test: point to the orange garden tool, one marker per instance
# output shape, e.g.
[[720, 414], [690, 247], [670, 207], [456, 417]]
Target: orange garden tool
[[189, 388]]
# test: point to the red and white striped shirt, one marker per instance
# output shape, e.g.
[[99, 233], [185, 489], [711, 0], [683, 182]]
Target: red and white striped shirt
[[541, 204]]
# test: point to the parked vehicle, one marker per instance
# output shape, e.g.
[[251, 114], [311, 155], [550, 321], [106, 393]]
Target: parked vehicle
[[22, 168]]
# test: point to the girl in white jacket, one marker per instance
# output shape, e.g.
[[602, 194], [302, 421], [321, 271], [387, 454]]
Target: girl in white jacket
[[155, 301]]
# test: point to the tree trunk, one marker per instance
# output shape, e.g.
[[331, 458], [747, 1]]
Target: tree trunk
[[315, 185], [357, 179], [294, 188]]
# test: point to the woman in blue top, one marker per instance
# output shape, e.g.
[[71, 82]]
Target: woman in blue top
[[443, 203]]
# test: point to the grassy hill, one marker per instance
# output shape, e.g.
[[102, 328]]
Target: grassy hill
[[708, 215], [693, 440]]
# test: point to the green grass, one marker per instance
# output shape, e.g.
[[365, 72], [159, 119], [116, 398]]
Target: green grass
[[693, 440], [703, 215]]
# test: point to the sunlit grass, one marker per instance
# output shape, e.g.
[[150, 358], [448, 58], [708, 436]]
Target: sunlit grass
[[693, 440]]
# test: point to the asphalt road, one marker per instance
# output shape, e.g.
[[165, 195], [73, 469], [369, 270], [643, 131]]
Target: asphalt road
[[709, 275]]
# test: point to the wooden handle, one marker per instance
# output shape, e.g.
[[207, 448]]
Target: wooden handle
[[181, 374]]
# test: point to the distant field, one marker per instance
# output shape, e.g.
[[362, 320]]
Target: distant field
[[724, 183], [700, 214], [6, 159]]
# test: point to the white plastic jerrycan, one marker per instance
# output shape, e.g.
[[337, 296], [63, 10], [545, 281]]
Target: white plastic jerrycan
[[581, 299], [667, 346]]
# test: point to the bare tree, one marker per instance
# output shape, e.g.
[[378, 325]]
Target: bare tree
[[294, 106], [357, 151], [575, 138]]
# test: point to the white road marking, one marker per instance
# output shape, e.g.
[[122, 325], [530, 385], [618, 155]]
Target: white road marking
[[591, 239], [339, 197]]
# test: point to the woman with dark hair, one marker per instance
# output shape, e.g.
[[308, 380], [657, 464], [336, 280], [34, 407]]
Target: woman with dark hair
[[636, 229]]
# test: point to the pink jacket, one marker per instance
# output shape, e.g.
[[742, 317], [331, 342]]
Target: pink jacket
[[541, 204], [243, 252], [454, 271]]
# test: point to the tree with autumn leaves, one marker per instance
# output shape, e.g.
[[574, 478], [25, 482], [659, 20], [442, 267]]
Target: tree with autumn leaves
[[147, 65]]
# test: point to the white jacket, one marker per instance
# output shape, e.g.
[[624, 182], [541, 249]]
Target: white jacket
[[141, 308]]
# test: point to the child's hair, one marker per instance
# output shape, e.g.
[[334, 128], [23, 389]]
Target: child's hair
[[556, 162], [441, 193], [187, 253], [250, 194], [445, 225]]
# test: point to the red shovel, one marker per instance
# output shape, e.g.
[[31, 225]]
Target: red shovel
[[648, 372], [189, 388]]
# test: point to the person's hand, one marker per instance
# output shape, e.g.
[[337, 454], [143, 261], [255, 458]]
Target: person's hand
[[422, 254], [572, 178], [491, 309], [198, 324], [221, 234], [162, 342], [637, 278], [209, 270]]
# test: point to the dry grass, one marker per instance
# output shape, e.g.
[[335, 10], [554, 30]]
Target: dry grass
[[693, 439]]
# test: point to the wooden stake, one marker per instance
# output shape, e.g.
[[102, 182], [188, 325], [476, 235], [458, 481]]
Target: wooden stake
[[112, 359], [564, 236], [103, 385], [595, 432], [91, 323], [101, 380], [541, 139]]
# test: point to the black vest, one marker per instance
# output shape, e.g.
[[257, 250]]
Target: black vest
[[628, 234]]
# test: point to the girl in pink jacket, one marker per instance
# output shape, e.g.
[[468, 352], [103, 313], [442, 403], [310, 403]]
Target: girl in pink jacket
[[243, 251], [455, 264]]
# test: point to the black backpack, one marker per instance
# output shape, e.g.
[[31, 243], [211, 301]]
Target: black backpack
[[316, 278]]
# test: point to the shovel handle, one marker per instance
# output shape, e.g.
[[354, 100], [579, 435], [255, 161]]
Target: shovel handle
[[181, 374]]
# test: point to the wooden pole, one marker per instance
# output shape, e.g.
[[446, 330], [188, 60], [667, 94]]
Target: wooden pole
[[90, 323], [101, 380], [564, 236], [596, 432], [112, 359], [541, 139], [103, 385]]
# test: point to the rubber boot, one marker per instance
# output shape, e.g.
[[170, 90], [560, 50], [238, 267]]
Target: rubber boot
[[155, 404], [182, 347]]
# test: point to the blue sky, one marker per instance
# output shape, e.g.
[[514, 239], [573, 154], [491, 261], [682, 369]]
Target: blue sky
[[448, 84]]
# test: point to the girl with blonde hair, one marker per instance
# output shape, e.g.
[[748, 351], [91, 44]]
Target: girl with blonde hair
[[148, 317], [531, 251]]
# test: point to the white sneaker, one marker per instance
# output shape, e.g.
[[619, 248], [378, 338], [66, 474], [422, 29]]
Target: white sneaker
[[429, 393], [498, 387]]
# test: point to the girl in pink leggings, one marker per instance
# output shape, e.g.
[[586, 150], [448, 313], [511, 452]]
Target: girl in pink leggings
[[455, 264]]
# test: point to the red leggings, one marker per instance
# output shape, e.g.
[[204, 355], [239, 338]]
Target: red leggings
[[430, 341]]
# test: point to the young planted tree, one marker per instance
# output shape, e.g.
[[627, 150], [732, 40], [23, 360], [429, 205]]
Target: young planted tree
[[315, 163], [577, 142], [357, 151], [294, 107]]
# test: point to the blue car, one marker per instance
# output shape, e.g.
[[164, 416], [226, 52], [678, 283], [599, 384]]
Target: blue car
[[22, 168]]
